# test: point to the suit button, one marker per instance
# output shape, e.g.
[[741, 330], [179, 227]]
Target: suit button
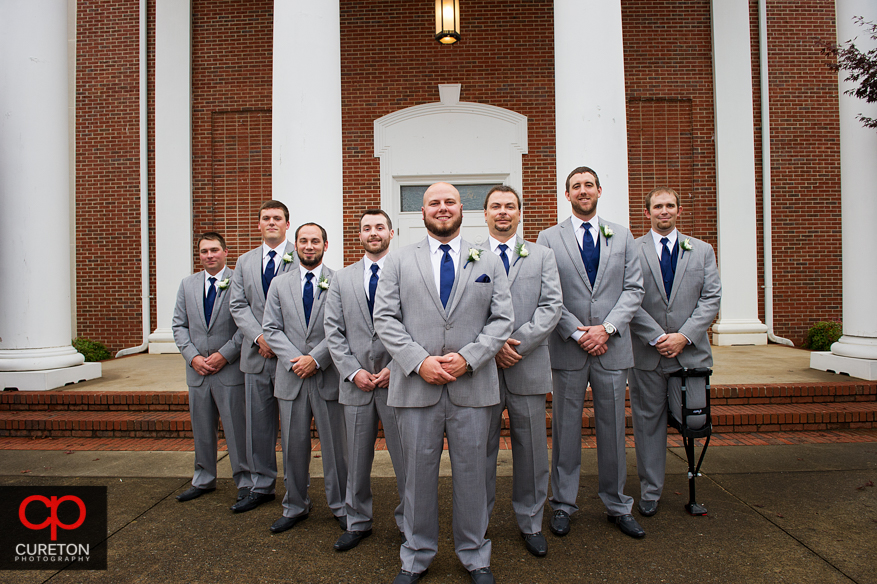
[[448, 327]]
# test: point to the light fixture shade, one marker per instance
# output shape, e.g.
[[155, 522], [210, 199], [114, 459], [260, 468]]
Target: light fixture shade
[[447, 21]]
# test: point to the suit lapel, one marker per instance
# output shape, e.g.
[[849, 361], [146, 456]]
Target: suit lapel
[[568, 235], [648, 244], [424, 264], [681, 264], [220, 295], [196, 293], [357, 276], [516, 260], [295, 289], [605, 252], [464, 274], [319, 298]]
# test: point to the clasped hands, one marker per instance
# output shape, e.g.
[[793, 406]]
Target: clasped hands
[[594, 339], [210, 365], [671, 344], [369, 381], [443, 369]]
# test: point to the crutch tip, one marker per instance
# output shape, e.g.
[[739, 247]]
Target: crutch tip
[[695, 509]]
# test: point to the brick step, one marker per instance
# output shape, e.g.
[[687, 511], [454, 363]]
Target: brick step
[[176, 424], [836, 392]]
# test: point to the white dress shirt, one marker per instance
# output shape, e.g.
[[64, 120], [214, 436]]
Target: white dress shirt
[[436, 256], [207, 276], [659, 249], [594, 228], [494, 247], [367, 271], [278, 259]]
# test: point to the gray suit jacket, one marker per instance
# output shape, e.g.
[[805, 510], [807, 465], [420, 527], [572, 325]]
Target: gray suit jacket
[[286, 333], [537, 299], [615, 297], [693, 304], [352, 339], [413, 324], [193, 337], [248, 302]]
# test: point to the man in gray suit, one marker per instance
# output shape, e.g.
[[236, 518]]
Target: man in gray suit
[[363, 364], [682, 298], [255, 271], [602, 289], [443, 310], [210, 343], [306, 384], [523, 363]]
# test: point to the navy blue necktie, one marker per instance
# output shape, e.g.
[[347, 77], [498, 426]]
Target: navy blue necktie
[[268, 275], [446, 275], [667, 271], [307, 297], [505, 260], [372, 286], [590, 254], [210, 299]]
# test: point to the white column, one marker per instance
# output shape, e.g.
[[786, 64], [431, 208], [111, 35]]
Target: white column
[[856, 352], [589, 101], [307, 172], [738, 322], [35, 313], [173, 162]]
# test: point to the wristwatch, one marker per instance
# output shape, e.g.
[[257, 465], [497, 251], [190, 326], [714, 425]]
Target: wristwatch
[[610, 328], [469, 368]]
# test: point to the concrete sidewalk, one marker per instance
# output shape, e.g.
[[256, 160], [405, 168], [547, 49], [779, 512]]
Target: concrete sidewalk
[[733, 365], [803, 513]]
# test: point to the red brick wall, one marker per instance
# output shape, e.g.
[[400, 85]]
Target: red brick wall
[[108, 282], [232, 45], [505, 59], [805, 165]]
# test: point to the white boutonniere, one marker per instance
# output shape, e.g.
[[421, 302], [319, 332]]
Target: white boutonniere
[[522, 251], [224, 284], [287, 257], [607, 232], [474, 256], [323, 283], [686, 245]]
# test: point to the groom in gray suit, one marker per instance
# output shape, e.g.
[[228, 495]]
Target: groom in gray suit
[[602, 289], [523, 363], [306, 384], [364, 367], [443, 310], [682, 298], [255, 271], [210, 342]]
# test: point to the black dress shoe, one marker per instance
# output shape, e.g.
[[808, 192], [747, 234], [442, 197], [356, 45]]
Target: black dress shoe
[[252, 501], [342, 522], [628, 525], [193, 493], [647, 508], [482, 576], [535, 543], [404, 577], [286, 523], [559, 523], [243, 493], [351, 539]]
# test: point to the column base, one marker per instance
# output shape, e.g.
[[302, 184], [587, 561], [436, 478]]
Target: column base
[[162, 342], [739, 332], [49, 378], [858, 368]]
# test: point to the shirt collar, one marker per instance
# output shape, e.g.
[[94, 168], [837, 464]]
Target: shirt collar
[[435, 243], [671, 237], [577, 223], [367, 263], [317, 272], [279, 249], [495, 243], [218, 276]]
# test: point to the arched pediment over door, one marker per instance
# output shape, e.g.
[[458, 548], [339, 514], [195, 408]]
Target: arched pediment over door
[[469, 144]]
